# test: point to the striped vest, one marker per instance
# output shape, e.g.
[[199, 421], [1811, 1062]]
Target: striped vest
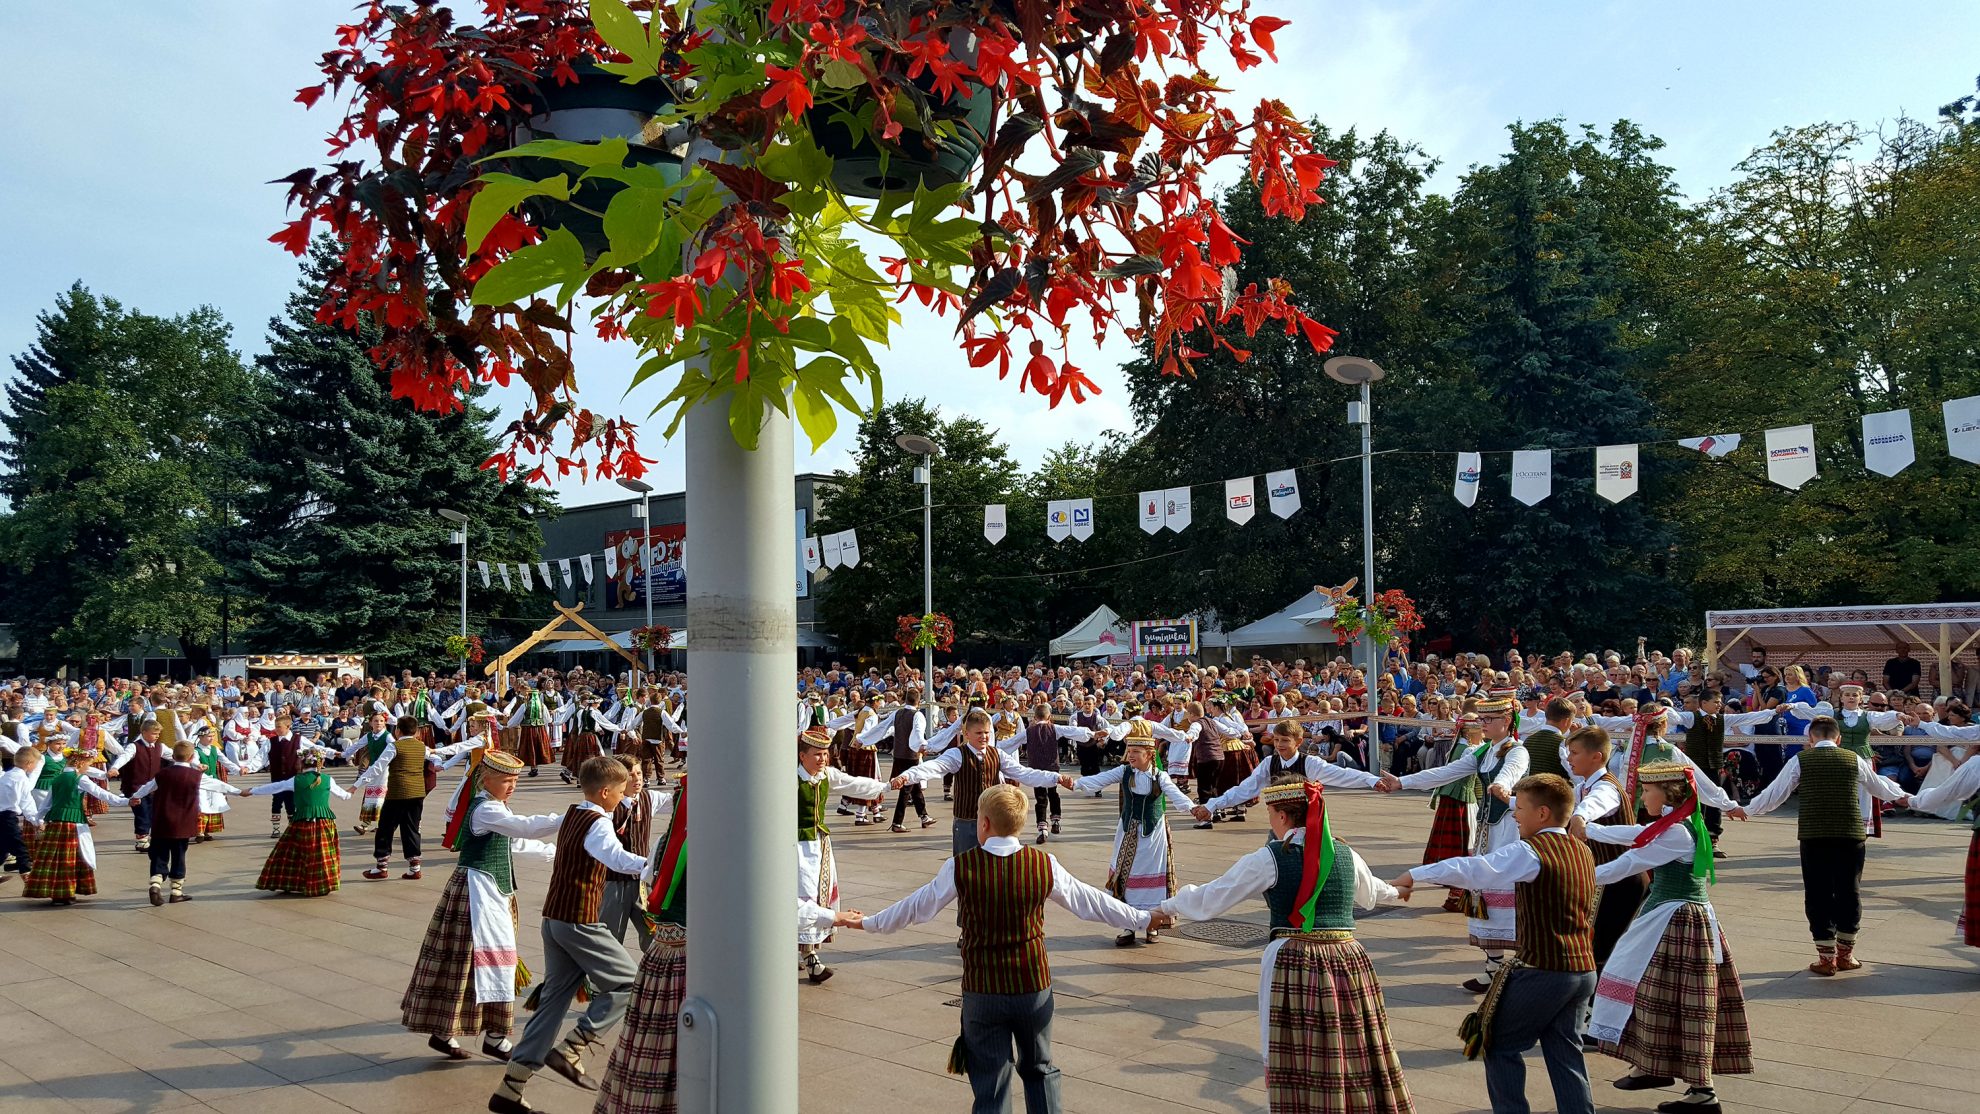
[[1831, 807], [405, 778], [577, 881], [1554, 915], [1624, 813], [1001, 901], [1543, 754], [975, 775], [633, 824], [1335, 909], [312, 790], [487, 852]]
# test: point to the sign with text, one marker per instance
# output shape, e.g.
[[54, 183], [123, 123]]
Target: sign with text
[[1165, 638]]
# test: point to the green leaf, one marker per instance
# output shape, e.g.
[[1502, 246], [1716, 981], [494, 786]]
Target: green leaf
[[500, 193], [608, 152], [625, 32], [558, 259], [838, 73], [799, 162], [814, 413], [745, 418], [632, 224]]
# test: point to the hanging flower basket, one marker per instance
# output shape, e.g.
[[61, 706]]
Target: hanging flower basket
[[657, 638], [922, 632], [1393, 615], [465, 647]]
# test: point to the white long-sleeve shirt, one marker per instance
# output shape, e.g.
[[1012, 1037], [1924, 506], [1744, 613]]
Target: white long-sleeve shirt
[[950, 761], [1964, 782], [1674, 844], [601, 842], [1068, 892], [1468, 764], [1311, 767], [845, 784], [1885, 721], [1145, 782], [1499, 870], [288, 785], [1257, 872], [374, 774], [1785, 783], [1948, 731], [1594, 796], [207, 784], [17, 794], [883, 726]]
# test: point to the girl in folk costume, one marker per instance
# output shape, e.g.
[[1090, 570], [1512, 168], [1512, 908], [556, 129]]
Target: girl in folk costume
[[1450, 822], [213, 807], [1499, 763], [1006, 724], [1322, 1028], [306, 859], [583, 725], [364, 752], [530, 716], [1144, 870], [1669, 1000], [1648, 747], [818, 883], [1949, 794], [1240, 756], [858, 759], [466, 978], [64, 854], [1040, 749]]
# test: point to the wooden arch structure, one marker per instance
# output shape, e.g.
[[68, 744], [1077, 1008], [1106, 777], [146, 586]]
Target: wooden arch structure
[[568, 626]]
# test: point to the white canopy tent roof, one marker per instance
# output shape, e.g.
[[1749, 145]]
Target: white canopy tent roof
[[1303, 622], [1088, 632], [1847, 637]]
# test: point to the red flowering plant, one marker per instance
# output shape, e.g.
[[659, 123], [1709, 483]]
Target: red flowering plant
[[1393, 615], [657, 637], [465, 647], [808, 130], [920, 632]]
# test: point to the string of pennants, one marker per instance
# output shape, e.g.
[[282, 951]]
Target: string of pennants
[[531, 575], [832, 551]]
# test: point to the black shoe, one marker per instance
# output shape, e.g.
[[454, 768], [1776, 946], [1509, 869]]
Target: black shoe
[[1477, 986], [447, 1048], [1124, 940], [494, 1050], [1590, 1044], [532, 773], [1055, 825], [503, 1104], [1204, 826], [844, 811], [1644, 1082], [563, 1065], [1679, 1106], [157, 896], [1718, 852]]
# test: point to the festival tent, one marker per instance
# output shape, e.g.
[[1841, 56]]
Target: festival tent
[[1103, 625], [1847, 638], [1303, 622]]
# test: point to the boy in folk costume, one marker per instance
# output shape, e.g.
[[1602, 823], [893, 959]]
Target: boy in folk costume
[[817, 784], [578, 950], [1830, 827], [175, 796], [1039, 750], [1499, 763], [906, 739], [1598, 799], [1669, 1000], [288, 754], [1705, 744], [1001, 887], [1854, 723], [975, 762], [213, 806], [306, 859], [632, 823], [403, 767], [1541, 994], [143, 757], [1546, 744], [530, 715], [583, 726], [1322, 1028], [364, 752], [1091, 751], [64, 854], [1143, 874], [18, 809]]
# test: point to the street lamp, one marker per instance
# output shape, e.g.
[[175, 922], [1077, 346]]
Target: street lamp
[[645, 492], [1357, 372], [925, 476], [460, 535]]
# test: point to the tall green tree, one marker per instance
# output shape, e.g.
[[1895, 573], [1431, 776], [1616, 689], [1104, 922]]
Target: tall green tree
[[73, 342], [340, 487]]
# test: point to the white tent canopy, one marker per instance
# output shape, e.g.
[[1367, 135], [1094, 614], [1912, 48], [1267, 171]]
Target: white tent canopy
[[1090, 632], [1305, 621]]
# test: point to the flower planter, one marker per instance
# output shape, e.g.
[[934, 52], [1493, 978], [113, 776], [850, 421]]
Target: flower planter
[[597, 106], [867, 166]]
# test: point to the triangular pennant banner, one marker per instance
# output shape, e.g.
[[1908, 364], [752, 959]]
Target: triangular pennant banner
[[1465, 489], [849, 549], [543, 567], [831, 550], [483, 566], [1239, 495], [1082, 518], [1963, 428], [993, 523], [1887, 445], [1282, 492], [813, 559], [1615, 472], [1058, 519], [1717, 445], [1152, 518], [506, 585], [1175, 509], [611, 563], [1791, 455], [1532, 475], [584, 566], [564, 570], [523, 571]]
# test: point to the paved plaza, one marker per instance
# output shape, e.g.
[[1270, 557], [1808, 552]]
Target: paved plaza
[[254, 1003]]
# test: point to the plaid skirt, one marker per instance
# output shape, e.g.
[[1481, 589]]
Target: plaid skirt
[[640, 1076], [212, 823], [1689, 1019], [533, 746], [1237, 765], [305, 861], [861, 761], [1328, 1047], [1450, 832], [59, 870], [1969, 918], [439, 1000], [93, 807], [577, 749]]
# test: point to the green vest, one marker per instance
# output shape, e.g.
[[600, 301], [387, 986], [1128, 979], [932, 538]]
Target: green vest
[[487, 852], [1489, 765], [533, 714], [1675, 882], [1856, 739], [65, 799], [1335, 908], [1831, 805], [374, 745], [1543, 754], [811, 797], [1463, 789], [209, 760], [312, 796], [51, 768], [1144, 809]]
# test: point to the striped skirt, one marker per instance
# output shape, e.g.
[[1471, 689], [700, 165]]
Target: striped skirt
[[306, 860], [533, 746], [1450, 831], [1237, 765], [60, 871], [1689, 1018], [1969, 918], [368, 806], [640, 1076], [1328, 1049], [440, 999], [578, 748], [861, 761], [212, 823]]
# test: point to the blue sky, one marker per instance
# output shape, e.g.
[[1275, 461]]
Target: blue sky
[[140, 136]]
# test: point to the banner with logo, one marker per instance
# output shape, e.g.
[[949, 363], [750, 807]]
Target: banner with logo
[[830, 550], [1082, 518], [611, 563], [993, 523], [506, 585], [1532, 475], [813, 558], [1715, 446], [1176, 509], [1615, 472], [1963, 428], [1465, 490], [1887, 444], [849, 548], [1152, 518], [1164, 638], [1058, 519], [523, 572], [1239, 497], [584, 564], [627, 575], [1282, 492], [1791, 455]]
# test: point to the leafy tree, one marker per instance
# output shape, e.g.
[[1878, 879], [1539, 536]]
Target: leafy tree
[[341, 482], [71, 344]]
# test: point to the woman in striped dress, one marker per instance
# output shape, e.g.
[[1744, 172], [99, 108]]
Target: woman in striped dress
[[306, 859], [64, 854], [1450, 825]]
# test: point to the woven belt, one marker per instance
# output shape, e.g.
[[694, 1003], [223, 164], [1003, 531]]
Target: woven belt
[[1318, 936], [667, 932]]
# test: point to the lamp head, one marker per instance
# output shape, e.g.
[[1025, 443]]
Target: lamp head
[[1353, 370], [915, 443], [451, 515]]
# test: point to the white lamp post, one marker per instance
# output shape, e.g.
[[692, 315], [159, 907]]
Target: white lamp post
[[925, 476], [645, 492], [460, 535], [1357, 372]]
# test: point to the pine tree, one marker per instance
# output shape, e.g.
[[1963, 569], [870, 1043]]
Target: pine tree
[[70, 342], [342, 482]]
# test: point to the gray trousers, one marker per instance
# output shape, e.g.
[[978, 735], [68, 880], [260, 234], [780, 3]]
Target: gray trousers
[[620, 910], [1543, 1007], [962, 837], [574, 954], [991, 1024]]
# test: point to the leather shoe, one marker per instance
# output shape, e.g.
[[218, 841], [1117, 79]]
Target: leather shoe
[[447, 1048], [1477, 986], [1679, 1106], [558, 1062], [494, 1050], [503, 1104], [1644, 1082]]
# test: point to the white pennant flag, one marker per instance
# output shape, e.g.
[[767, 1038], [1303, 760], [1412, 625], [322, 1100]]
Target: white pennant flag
[[564, 568], [1887, 445], [1615, 472], [993, 523], [1152, 518], [1239, 495], [504, 570], [523, 571], [612, 563], [849, 549], [1963, 428], [1058, 519], [1532, 475], [1791, 455], [1465, 490], [1282, 492], [543, 567], [483, 566], [831, 553], [813, 560], [1175, 509], [584, 566], [1715, 446], [1082, 518]]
